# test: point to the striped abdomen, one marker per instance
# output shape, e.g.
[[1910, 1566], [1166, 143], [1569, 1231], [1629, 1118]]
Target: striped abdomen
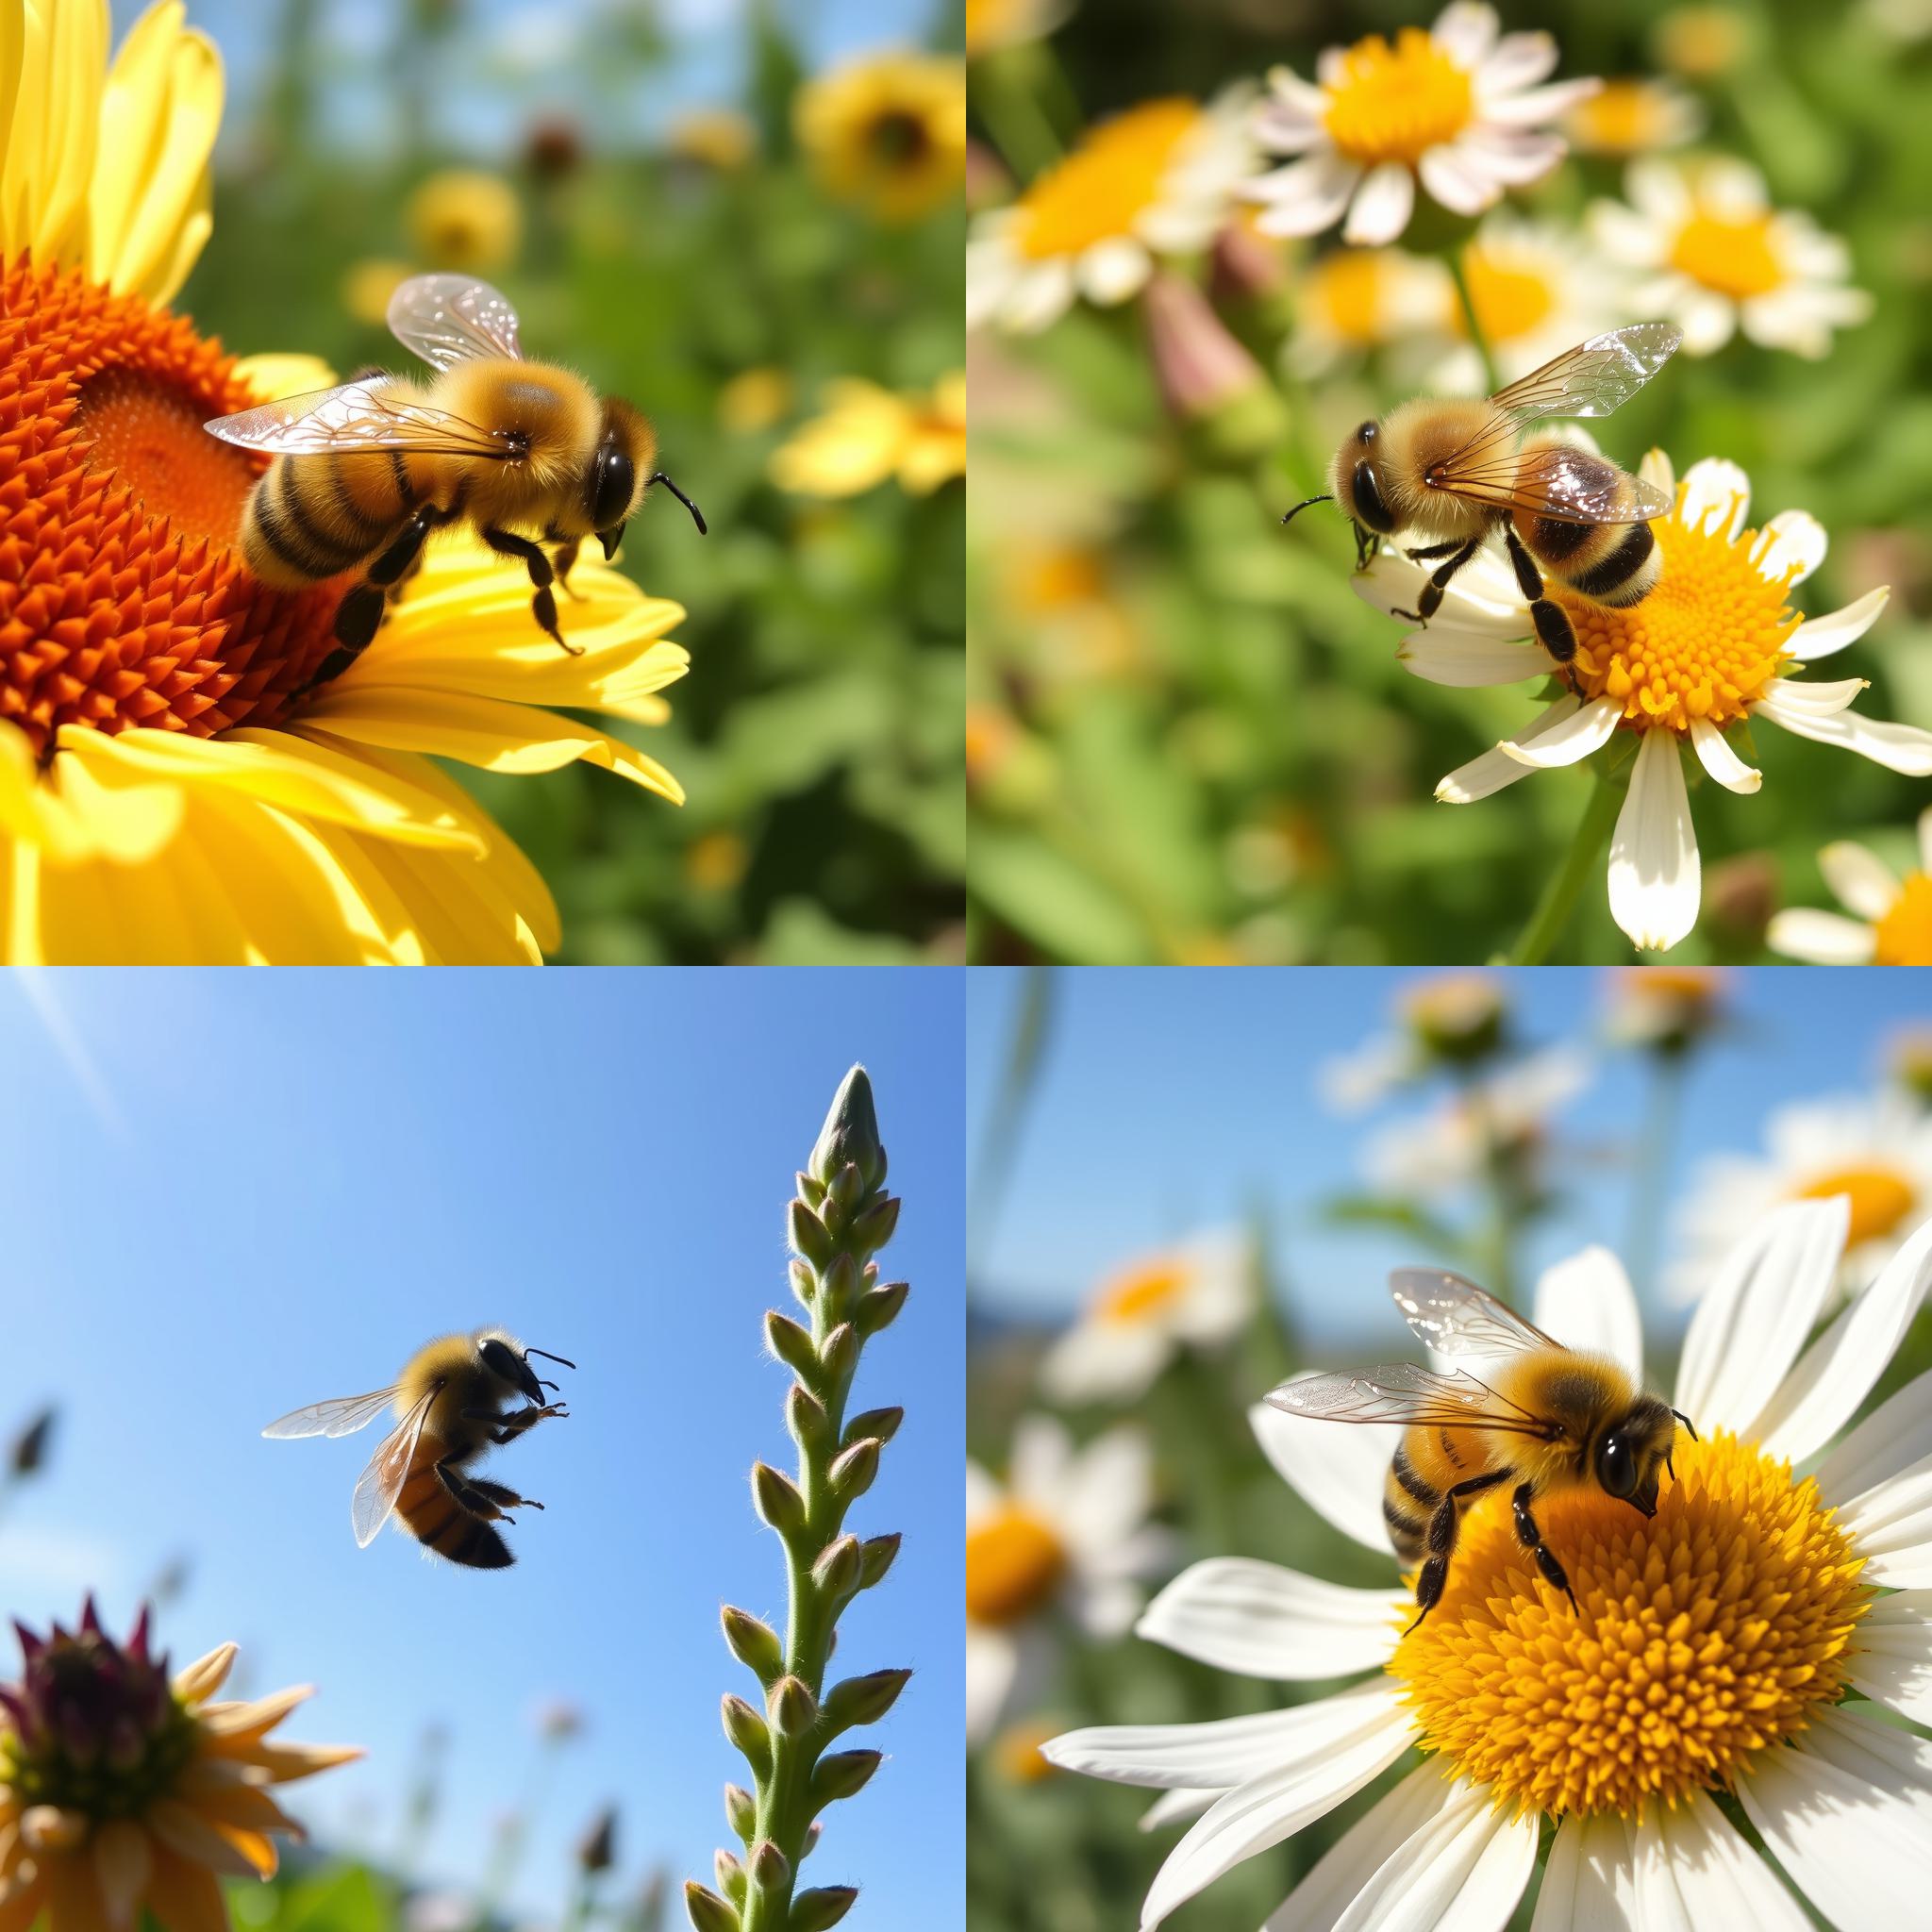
[[1609, 563], [313, 517], [435, 1519], [1428, 1462]]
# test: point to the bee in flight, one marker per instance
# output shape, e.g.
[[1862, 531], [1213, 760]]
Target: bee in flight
[[364, 472], [1547, 1418], [453, 1399], [1455, 472]]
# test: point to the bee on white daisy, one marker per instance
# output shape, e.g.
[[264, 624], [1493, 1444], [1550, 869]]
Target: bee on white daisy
[[1872, 1149], [1199, 1294], [1891, 917], [1352, 301], [1156, 180], [1067, 1532], [1714, 645], [1457, 109], [1711, 254], [1699, 1679], [1634, 116]]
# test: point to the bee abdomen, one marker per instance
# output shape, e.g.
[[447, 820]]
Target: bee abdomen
[[301, 525], [1625, 571], [1407, 1500]]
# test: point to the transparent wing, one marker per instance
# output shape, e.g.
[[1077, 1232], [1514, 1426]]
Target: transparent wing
[[1403, 1392], [1594, 377], [1456, 1317], [341, 1417], [449, 318], [381, 1483], [1567, 484], [366, 415]]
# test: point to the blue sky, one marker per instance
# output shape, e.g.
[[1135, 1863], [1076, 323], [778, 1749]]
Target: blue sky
[[230, 1194], [1169, 1101]]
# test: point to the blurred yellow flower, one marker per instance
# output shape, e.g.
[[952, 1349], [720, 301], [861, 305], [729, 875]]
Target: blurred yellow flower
[[992, 24], [755, 399], [869, 434], [122, 1790], [719, 138], [1015, 1753], [888, 131], [1633, 117], [1702, 43], [462, 218], [367, 287], [166, 793], [1355, 300]]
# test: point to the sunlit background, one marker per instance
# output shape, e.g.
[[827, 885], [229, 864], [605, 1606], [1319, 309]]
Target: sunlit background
[[230, 1199]]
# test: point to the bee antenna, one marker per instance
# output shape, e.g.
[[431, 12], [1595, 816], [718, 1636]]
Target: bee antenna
[[542, 1384], [697, 516], [549, 1358], [1303, 505], [1685, 1421]]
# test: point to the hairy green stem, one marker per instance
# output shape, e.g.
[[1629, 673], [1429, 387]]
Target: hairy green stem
[[1561, 894], [1491, 381]]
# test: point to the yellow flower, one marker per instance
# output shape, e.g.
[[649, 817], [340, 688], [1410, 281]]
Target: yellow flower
[[1891, 922], [368, 285], [463, 218], [719, 137], [1633, 117], [122, 1790], [886, 131], [754, 400], [992, 24], [165, 793], [868, 434]]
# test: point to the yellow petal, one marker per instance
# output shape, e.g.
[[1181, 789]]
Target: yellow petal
[[133, 124], [449, 911], [205, 1674], [487, 732], [184, 1896], [123, 1859], [174, 188], [54, 124], [259, 1849], [271, 377], [285, 1763], [232, 1727], [187, 1833]]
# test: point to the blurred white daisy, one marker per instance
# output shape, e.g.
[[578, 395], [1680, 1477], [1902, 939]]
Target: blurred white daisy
[[1665, 1009], [1632, 116], [1712, 647], [1156, 180], [1449, 1021], [1714, 256], [1715, 1641], [1198, 1294], [1892, 926], [1455, 108], [1874, 1149], [1067, 1535], [1352, 301]]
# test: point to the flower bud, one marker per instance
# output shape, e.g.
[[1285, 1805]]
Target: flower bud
[[753, 1642], [806, 1417], [707, 1912], [597, 1848], [809, 1234], [838, 1569], [770, 1868], [804, 1284], [850, 1133], [839, 1353], [882, 1422], [863, 1700], [29, 1449], [793, 1708], [839, 1286], [840, 1773], [730, 1871], [821, 1907], [1206, 376], [741, 1812], [847, 1188], [872, 1229], [777, 1499], [747, 1730], [853, 1469], [878, 1308], [792, 1345]]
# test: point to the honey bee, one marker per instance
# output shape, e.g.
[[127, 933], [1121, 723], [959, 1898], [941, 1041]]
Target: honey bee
[[364, 472], [1458, 470], [1548, 1419], [452, 1400]]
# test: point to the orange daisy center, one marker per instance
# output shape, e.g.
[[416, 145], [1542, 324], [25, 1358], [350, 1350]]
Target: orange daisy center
[[1731, 254], [1396, 103], [123, 599], [1014, 1563], [1513, 293], [1103, 189], [1138, 1294], [1904, 936], [1880, 1198]]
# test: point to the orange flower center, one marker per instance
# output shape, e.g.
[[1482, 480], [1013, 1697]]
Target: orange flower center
[[1705, 643], [1014, 1563], [1731, 254], [1350, 288], [1881, 1197], [1393, 104], [1137, 1294], [123, 599], [1107, 184], [1622, 117], [1904, 936], [1513, 293]]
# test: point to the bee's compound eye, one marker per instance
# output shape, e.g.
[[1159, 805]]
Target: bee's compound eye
[[1370, 508], [1616, 1468], [612, 480], [499, 1361], [1366, 433]]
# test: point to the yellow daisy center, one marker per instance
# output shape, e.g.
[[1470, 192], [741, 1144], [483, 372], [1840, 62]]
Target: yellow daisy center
[[1706, 1634], [1904, 936], [1513, 293], [1137, 1294], [1705, 643], [1731, 254], [1014, 1563], [1622, 117], [1396, 103], [1350, 290], [1016, 1751], [1881, 1197], [1107, 184]]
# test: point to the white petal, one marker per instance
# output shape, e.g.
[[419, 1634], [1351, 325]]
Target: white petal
[[1112, 271], [1041, 1462], [1481, 778], [1656, 879], [1848, 1813], [1708, 320], [982, 1494], [1821, 698], [1586, 1303], [1104, 1362], [1465, 659], [1656, 468], [1590, 1884], [1337, 1472], [1465, 31], [1897, 747], [1512, 156], [1536, 107], [1176, 1807], [1297, 95], [1040, 296], [1518, 60], [1824, 939], [1107, 1492], [1890, 1660], [1660, 191], [1306, 196], [1836, 1371], [1626, 236], [1860, 880], [1286, 126], [1892, 1524], [1757, 1312], [1796, 543], [1382, 206], [1570, 740], [1926, 840], [1276, 1806], [1717, 758], [1456, 180], [992, 1662], [1259, 1619], [1819, 637], [1733, 187], [1717, 494], [1327, 1891], [1696, 1869], [1462, 1871]]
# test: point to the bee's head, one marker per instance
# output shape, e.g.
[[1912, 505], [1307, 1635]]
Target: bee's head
[[508, 1361], [621, 472], [1634, 1448], [1355, 484]]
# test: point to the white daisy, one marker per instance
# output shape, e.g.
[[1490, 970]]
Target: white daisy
[[1712, 646], [1450, 1020], [1352, 301], [1156, 180], [1715, 256], [1893, 925], [1874, 1149], [1199, 1294], [1715, 1645], [1665, 1009], [1455, 106], [1068, 1533], [1633, 116]]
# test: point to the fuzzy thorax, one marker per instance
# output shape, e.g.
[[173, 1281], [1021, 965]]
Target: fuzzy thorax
[[454, 1363]]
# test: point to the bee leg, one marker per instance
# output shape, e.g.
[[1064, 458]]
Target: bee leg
[[1445, 1521], [485, 1499], [503, 1498], [1533, 1541], [513, 1424], [359, 613], [1554, 630], [543, 606], [563, 560], [1431, 599], [1434, 550]]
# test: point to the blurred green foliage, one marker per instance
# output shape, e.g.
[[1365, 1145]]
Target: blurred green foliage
[[1208, 751]]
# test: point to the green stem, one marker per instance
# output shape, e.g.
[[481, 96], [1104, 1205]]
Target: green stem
[[1014, 118], [1559, 896], [1655, 1164], [1493, 382]]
